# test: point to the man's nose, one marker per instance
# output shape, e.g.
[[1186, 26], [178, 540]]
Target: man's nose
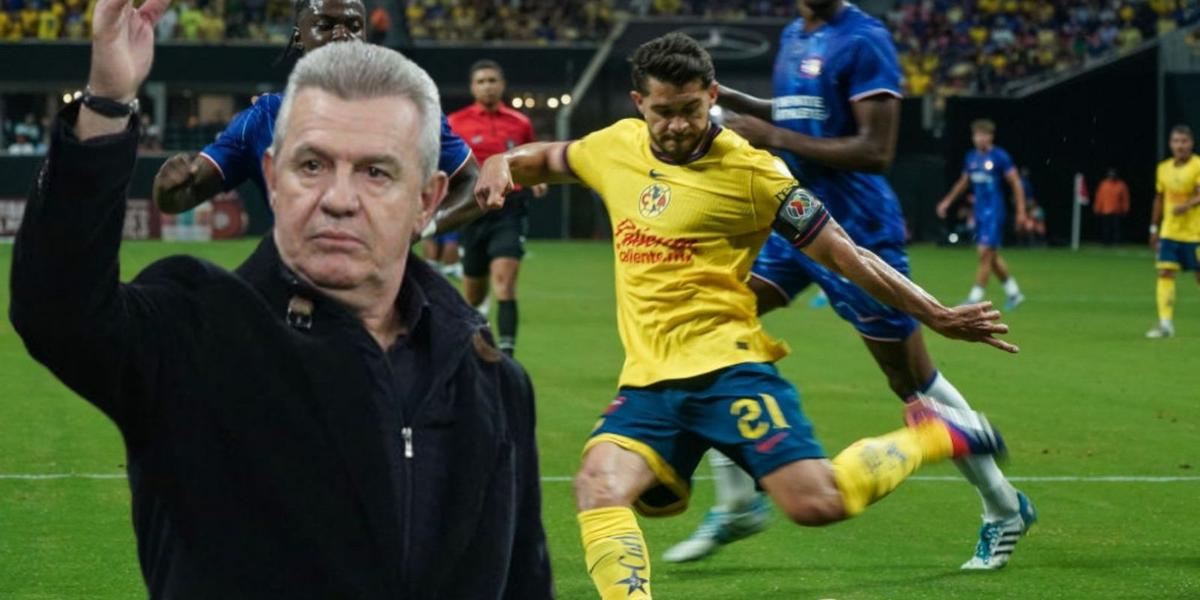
[[340, 198]]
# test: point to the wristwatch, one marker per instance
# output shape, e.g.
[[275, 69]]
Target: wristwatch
[[107, 106]]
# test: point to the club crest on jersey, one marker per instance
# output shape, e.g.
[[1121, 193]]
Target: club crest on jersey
[[654, 200], [811, 66]]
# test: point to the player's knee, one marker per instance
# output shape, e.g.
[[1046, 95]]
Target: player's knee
[[596, 487], [815, 510]]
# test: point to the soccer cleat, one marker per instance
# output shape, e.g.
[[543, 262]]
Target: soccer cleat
[[970, 431], [1014, 301], [1160, 331], [719, 528], [819, 301], [997, 539]]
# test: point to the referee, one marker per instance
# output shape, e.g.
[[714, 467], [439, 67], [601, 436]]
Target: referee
[[493, 245]]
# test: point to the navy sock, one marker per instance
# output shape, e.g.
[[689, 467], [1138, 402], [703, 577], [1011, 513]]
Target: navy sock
[[507, 319]]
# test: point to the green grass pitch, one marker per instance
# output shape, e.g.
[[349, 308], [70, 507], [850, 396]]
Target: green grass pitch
[[1086, 397]]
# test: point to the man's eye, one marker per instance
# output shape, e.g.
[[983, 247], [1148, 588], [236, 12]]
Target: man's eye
[[311, 166], [377, 173], [324, 25]]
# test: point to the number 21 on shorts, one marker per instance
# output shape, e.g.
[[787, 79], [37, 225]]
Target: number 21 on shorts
[[749, 412]]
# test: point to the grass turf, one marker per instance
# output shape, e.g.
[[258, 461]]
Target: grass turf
[[1087, 396]]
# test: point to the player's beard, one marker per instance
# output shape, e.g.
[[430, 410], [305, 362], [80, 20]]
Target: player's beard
[[681, 146]]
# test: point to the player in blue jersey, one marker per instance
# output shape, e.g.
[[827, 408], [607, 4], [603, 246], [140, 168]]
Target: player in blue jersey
[[836, 115], [186, 180], [985, 171]]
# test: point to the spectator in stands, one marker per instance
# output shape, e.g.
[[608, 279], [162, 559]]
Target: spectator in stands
[[168, 24], [22, 146], [1111, 205], [28, 129]]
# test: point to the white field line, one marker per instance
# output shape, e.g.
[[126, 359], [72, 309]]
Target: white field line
[[567, 478]]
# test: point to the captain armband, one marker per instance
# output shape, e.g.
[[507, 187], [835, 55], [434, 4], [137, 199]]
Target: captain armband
[[801, 216]]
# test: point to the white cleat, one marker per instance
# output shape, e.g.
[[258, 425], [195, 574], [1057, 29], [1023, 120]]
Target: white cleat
[[719, 528], [998, 539], [1161, 331]]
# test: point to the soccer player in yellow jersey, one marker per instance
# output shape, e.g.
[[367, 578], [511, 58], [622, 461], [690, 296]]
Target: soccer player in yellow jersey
[[691, 205], [1177, 207]]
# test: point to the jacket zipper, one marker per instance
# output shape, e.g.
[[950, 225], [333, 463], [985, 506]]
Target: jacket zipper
[[407, 432]]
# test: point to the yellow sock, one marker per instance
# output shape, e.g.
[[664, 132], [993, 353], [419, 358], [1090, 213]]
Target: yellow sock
[[1166, 298], [871, 468], [616, 554]]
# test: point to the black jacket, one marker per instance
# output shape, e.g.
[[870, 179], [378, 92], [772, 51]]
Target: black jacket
[[256, 458]]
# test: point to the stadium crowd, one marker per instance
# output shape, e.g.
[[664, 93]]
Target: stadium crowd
[[979, 46]]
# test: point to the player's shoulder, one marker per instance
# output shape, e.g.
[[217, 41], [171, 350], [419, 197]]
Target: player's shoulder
[[460, 114], [268, 104], [515, 114], [1193, 163], [796, 27], [736, 153], [1001, 153], [861, 26]]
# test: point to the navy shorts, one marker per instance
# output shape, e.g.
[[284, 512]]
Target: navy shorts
[[1178, 256], [747, 411], [789, 271]]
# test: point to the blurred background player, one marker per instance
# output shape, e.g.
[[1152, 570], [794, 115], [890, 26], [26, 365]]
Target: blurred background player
[[442, 253], [984, 171], [493, 245], [840, 59], [186, 180], [1176, 198], [1111, 205]]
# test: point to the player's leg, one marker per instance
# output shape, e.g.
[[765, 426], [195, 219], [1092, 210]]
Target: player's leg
[[431, 251], [754, 415], [609, 481], [1012, 291], [450, 258], [741, 510], [983, 272], [506, 248], [1172, 256], [476, 264], [637, 457]]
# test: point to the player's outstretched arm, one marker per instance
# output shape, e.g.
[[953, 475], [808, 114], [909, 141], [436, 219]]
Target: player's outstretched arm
[[870, 150], [834, 249], [185, 181], [459, 207], [529, 164], [741, 102], [960, 186]]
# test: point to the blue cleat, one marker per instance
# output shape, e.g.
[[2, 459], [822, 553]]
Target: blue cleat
[[819, 301], [719, 528], [998, 539], [1013, 301]]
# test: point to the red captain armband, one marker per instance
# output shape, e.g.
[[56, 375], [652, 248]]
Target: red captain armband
[[801, 216]]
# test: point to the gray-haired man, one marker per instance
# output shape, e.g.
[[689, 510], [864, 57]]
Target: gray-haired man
[[330, 420]]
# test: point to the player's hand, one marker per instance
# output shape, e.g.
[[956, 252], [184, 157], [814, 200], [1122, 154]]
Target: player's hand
[[174, 176], [122, 46], [1154, 241], [494, 183], [540, 190], [974, 323], [756, 131], [1182, 208], [942, 209]]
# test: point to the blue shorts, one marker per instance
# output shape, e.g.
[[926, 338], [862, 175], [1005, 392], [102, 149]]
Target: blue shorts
[[989, 230], [789, 271], [1178, 256], [447, 238], [747, 411]]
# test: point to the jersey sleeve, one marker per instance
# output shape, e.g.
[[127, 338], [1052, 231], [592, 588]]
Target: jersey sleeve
[[233, 151], [1160, 186], [786, 206], [588, 157], [454, 152], [874, 68], [1004, 163]]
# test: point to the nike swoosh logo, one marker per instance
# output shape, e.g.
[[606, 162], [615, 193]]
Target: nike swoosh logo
[[655, 174], [769, 444]]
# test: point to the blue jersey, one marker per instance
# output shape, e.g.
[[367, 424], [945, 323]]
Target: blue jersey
[[818, 75], [986, 171], [238, 151]]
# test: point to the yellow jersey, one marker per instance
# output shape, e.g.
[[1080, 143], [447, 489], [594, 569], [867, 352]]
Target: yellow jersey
[[684, 239], [1178, 184]]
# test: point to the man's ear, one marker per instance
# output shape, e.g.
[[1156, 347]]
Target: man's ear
[[268, 167], [638, 101], [432, 194]]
